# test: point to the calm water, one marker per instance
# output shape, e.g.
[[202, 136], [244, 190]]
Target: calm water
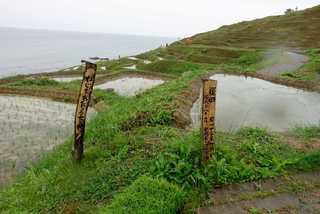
[[130, 86], [33, 51], [253, 102]]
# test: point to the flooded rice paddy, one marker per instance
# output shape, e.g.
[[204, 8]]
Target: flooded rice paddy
[[67, 79], [131, 67], [147, 62], [133, 58], [130, 86], [253, 102], [29, 128]]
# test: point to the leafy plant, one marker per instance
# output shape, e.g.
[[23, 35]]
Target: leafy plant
[[180, 163]]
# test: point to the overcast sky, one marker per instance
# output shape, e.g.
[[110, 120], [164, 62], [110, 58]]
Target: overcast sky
[[177, 18]]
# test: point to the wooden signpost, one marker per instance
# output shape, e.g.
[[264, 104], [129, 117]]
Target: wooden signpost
[[89, 75], [208, 118]]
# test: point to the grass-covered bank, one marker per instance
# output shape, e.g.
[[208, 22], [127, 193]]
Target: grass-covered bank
[[113, 158], [134, 137]]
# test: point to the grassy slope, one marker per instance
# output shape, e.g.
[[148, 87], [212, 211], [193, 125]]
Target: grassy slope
[[300, 29], [136, 136]]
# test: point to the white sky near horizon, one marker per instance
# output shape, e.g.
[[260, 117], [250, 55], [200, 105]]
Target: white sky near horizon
[[174, 18]]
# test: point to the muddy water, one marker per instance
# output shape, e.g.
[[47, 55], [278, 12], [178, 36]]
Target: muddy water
[[130, 86], [30, 127], [253, 102]]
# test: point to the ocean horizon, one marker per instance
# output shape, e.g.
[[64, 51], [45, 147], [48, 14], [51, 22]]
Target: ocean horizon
[[27, 51]]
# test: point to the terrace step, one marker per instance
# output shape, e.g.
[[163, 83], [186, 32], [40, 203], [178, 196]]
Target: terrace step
[[298, 193]]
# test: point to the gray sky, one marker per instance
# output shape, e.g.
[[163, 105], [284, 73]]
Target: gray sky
[[176, 18]]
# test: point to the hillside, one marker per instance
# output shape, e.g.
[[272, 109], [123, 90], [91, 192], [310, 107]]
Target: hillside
[[141, 156], [299, 29]]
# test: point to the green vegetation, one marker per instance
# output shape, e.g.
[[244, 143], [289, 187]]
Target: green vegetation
[[34, 82], [310, 71], [307, 132], [257, 134], [44, 83], [174, 67], [136, 160], [147, 195], [297, 30], [113, 158], [115, 66], [238, 158]]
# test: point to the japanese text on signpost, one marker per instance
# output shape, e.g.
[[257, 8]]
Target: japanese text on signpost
[[82, 107], [208, 118]]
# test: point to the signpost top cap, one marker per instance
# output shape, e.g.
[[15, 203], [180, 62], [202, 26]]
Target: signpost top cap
[[208, 79]]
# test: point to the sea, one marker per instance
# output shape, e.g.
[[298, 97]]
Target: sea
[[25, 51]]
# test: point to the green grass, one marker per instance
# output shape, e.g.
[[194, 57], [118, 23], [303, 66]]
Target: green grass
[[147, 195], [258, 135], [35, 82], [313, 66], [306, 132], [310, 71], [174, 67], [297, 30], [44, 83], [154, 55], [114, 66]]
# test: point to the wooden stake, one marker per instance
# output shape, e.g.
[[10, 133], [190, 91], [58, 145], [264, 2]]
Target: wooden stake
[[208, 118], [89, 75]]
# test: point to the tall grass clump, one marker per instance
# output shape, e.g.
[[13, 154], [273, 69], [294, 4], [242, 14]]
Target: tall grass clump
[[147, 195]]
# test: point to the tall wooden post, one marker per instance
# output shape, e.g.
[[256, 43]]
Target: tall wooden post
[[89, 75], [208, 118]]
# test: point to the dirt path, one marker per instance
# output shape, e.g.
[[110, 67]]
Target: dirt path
[[289, 194], [285, 61]]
